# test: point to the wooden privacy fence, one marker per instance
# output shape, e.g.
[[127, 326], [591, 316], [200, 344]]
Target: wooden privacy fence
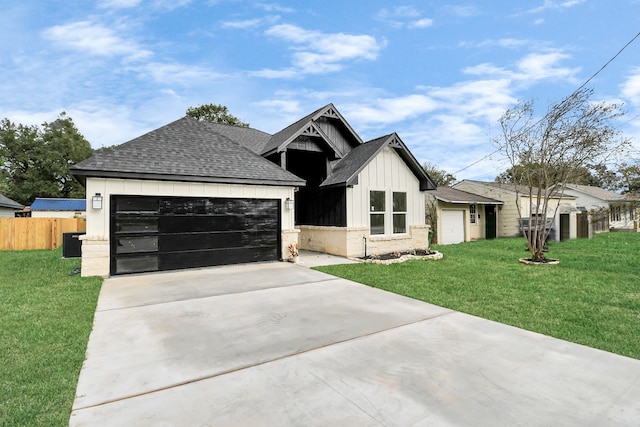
[[36, 233]]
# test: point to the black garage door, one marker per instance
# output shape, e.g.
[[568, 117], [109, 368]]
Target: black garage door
[[169, 233]]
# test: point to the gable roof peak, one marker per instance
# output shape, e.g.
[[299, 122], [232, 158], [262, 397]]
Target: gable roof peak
[[346, 170], [281, 139]]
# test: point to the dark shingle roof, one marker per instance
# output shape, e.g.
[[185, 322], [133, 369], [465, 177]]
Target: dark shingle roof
[[188, 150], [452, 195], [280, 137], [250, 138], [6, 202], [43, 204], [346, 170]]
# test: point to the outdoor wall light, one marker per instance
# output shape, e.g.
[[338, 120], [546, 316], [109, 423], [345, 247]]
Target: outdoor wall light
[[288, 204], [96, 201]]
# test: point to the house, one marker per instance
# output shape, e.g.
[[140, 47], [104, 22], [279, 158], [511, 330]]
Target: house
[[58, 208], [516, 203], [8, 207], [622, 210], [193, 194], [461, 216]]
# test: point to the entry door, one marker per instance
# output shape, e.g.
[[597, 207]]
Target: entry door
[[565, 228], [452, 226], [168, 233], [491, 231]]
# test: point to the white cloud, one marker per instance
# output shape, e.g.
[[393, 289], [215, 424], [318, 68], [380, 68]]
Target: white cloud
[[555, 5], [247, 23], [404, 16], [95, 39], [631, 87], [316, 52], [507, 43], [118, 4], [185, 75], [250, 23], [483, 99], [272, 7], [390, 110], [170, 4], [421, 23], [529, 69], [539, 66], [462, 11]]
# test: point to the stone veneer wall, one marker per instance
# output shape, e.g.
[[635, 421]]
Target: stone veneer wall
[[289, 237], [350, 242], [95, 256]]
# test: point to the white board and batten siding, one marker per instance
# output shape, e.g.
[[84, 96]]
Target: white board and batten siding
[[386, 172], [98, 220]]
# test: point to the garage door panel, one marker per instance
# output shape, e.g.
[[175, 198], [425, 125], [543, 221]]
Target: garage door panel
[[138, 264], [187, 224], [192, 232], [208, 258], [452, 226]]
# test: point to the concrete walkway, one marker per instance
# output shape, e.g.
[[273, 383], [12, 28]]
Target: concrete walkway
[[278, 344]]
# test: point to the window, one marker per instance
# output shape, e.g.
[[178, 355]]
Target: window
[[377, 202], [632, 214], [615, 213], [399, 212], [472, 214]]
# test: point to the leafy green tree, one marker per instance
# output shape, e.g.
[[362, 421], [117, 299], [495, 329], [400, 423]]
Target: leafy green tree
[[584, 175], [215, 113], [573, 134], [440, 177], [37, 161], [630, 179]]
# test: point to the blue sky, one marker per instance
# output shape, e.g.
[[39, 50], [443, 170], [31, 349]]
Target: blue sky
[[439, 74]]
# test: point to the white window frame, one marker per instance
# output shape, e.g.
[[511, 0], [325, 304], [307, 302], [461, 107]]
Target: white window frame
[[373, 211], [616, 214], [473, 214], [399, 212]]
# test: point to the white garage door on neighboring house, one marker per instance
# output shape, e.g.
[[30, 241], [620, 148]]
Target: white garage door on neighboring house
[[452, 226]]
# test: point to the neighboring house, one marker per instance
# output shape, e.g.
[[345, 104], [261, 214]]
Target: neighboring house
[[563, 224], [622, 210], [462, 216], [58, 208], [193, 194], [8, 207]]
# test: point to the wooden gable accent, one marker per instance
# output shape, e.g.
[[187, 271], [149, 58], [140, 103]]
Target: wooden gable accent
[[331, 112], [311, 131], [394, 142]]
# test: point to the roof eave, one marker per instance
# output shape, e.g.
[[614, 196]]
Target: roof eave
[[189, 178]]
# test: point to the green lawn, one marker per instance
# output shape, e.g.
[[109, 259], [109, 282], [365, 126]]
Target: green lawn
[[45, 320], [592, 297]]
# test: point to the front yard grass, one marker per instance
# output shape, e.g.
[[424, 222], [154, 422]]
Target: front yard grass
[[592, 297], [46, 316]]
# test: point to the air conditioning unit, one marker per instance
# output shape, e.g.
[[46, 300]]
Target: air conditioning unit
[[71, 244]]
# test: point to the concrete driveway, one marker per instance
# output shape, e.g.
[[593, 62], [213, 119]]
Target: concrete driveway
[[278, 344]]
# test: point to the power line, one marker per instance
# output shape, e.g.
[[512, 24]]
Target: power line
[[565, 99]]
